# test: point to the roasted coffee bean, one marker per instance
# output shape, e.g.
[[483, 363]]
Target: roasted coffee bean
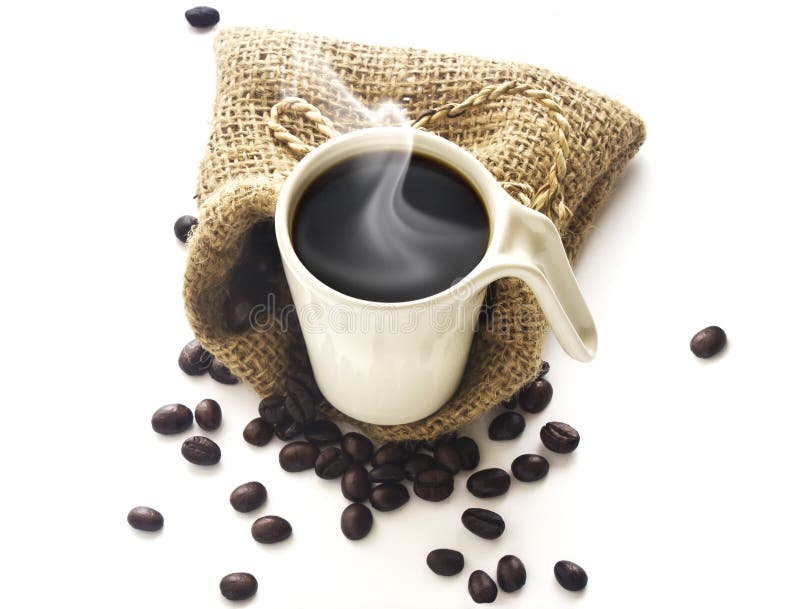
[[300, 404], [434, 485], [258, 432], [356, 521], [288, 430], [221, 374], [201, 451], [536, 396], [447, 457], [194, 360], [481, 587], [322, 432], [430, 445], [145, 519], [202, 16], [355, 483], [248, 496], [171, 419], [358, 447], [387, 473], [484, 523], [708, 342], [208, 414], [417, 464], [298, 456], [388, 496], [491, 482], [511, 574], [529, 468], [306, 379], [468, 452], [411, 446], [331, 463], [570, 576], [507, 426], [183, 226], [391, 452], [543, 369], [445, 562], [270, 529], [273, 409], [510, 404], [559, 437], [238, 310], [238, 586]]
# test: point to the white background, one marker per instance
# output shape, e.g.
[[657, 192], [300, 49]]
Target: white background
[[683, 490]]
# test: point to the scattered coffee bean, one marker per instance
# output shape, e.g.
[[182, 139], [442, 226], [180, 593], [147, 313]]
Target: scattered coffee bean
[[306, 379], [447, 457], [238, 586], [356, 521], [273, 409], [445, 562], [201, 451], [530, 468], [183, 226], [507, 426], [221, 374], [358, 447], [202, 16], [391, 452], [194, 360], [208, 414], [288, 430], [468, 452], [298, 456], [559, 437], [388, 496], [270, 529], [570, 576], [416, 464], [481, 587], [511, 574], [238, 311], [536, 396], [434, 485], [355, 483], [258, 432], [145, 519], [708, 342], [322, 432], [248, 496], [387, 473], [543, 369], [331, 463], [171, 419], [300, 403], [491, 482], [484, 523]]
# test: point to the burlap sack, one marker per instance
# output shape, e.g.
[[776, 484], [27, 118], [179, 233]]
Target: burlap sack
[[518, 137]]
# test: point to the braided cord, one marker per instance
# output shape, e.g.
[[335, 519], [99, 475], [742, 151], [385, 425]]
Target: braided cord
[[312, 114]]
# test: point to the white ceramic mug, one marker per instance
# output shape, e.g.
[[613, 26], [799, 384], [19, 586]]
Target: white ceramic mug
[[397, 362]]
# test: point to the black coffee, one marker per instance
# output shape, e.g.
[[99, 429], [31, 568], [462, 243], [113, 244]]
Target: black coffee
[[390, 227]]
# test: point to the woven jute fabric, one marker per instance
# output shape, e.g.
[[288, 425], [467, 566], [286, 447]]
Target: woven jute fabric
[[350, 84]]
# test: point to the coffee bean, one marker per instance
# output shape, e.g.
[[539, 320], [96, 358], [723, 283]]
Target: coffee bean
[[491, 482], [208, 414], [536, 396], [202, 16], [258, 432], [298, 456], [248, 496], [221, 374], [356, 521], [411, 446], [511, 574], [331, 463], [238, 310], [270, 529], [307, 380], [388, 496], [391, 452], [357, 446], [387, 473], [434, 485], [559, 437], [468, 452], [322, 432], [273, 410], [708, 342], [543, 369], [171, 419], [570, 576], [201, 451], [510, 404], [300, 404], [238, 586], [481, 587], [529, 468], [288, 430], [145, 519], [183, 226], [484, 523], [430, 445], [355, 483], [194, 360], [445, 562], [417, 464], [447, 457], [506, 426]]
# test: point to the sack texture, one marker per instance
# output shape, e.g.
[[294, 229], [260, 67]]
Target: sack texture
[[514, 136]]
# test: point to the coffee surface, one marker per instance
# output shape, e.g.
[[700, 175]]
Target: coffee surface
[[390, 227]]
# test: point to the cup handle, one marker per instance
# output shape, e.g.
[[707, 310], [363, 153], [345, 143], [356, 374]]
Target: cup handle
[[526, 245]]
